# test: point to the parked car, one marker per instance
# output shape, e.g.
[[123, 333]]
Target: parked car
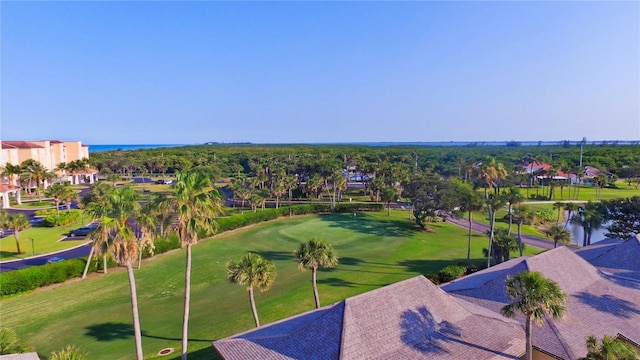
[[54, 259], [83, 231], [161, 181]]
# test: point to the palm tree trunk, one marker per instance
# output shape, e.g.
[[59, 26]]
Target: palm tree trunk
[[520, 237], [510, 220], [253, 307], [86, 267], [104, 263], [491, 224], [529, 354], [315, 287], [134, 311], [187, 300], [15, 235], [469, 241]]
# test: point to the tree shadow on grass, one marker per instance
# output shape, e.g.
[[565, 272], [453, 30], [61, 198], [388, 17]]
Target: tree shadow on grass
[[110, 331], [429, 266], [121, 331], [343, 283], [208, 353], [276, 255]]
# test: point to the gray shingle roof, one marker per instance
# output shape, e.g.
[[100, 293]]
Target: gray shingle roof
[[617, 257], [597, 304], [410, 319]]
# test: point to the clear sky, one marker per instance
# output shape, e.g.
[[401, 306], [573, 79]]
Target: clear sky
[[162, 72]]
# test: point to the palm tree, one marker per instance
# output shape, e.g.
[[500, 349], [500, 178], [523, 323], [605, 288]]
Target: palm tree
[[570, 207], [13, 172], [534, 296], [493, 203], [252, 270], [559, 234], [60, 192], [115, 223], [609, 348], [513, 197], [197, 203], [470, 201], [17, 222], [313, 254], [34, 172], [558, 205], [388, 195], [522, 215], [589, 218]]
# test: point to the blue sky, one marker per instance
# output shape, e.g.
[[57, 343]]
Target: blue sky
[[125, 72]]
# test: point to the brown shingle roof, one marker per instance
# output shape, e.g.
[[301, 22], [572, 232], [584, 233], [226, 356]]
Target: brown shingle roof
[[597, 304], [412, 319], [617, 257]]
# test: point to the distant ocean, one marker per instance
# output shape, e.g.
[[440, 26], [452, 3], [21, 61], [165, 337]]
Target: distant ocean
[[98, 148]]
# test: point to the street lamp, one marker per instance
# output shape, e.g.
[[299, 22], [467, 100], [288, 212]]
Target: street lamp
[[33, 251]]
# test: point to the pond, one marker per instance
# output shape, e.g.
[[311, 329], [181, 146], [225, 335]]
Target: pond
[[577, 233]]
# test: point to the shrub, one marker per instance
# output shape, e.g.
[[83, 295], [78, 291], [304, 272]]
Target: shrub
[[22, 280], [162, 245], [64, 218], [451, 272], [69, 353]]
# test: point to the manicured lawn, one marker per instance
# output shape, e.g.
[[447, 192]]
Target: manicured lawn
[[46, 240], [95, 314]]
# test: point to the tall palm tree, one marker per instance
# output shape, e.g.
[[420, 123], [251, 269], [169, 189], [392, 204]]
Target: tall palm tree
[[589, 218], [494, 202], [513, 197], [313, 254], [570, 208], [609, 348], [522, 215], [197, 203], [534, 296], [559, 234], [252, 270], [13, 172], [115, 222], [17, 222], [34, 172], [388, 195], [470, 201], [558, 205]]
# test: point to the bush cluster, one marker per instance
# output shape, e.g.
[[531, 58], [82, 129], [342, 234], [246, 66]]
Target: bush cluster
[[64, 218], [18, 281], [451, 272]]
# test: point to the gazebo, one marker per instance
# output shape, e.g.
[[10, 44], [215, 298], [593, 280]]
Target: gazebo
[[5, 190]]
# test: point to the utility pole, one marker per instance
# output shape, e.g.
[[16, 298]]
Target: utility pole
[[584, 140]]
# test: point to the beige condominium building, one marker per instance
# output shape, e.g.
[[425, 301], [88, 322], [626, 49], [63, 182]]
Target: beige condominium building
[[50, 153]]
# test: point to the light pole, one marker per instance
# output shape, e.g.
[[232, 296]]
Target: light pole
[[33, 251]]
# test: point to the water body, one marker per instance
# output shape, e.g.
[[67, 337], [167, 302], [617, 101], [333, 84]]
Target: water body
[[100, 148], [577, 233]]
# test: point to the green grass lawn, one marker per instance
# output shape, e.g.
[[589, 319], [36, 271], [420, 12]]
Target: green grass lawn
[[95, 314], [45, 240]]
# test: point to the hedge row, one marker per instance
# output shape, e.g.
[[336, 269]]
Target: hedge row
[[18, 281], [64, 218], [22, 280]]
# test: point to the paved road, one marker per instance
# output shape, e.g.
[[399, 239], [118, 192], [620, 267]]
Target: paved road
[[78, 251], [479, 227]]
